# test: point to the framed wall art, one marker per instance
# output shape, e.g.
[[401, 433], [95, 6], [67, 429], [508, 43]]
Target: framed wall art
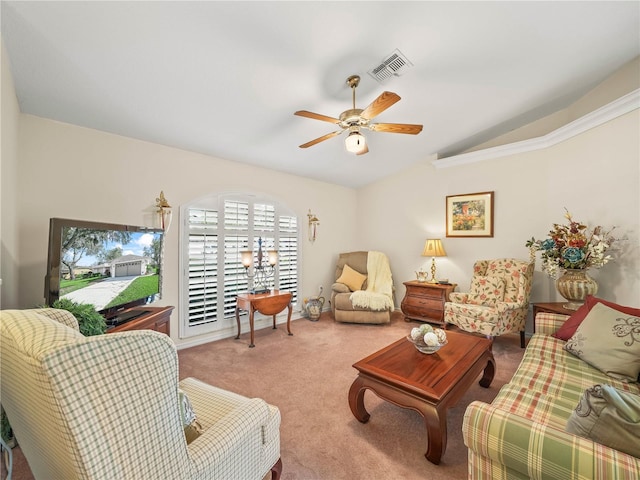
[[470, 215]]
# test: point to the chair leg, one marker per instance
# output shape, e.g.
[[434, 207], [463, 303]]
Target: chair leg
[[276, 470], [521, 338]]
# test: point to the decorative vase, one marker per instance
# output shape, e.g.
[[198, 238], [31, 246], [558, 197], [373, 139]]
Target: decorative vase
[[575, 285]]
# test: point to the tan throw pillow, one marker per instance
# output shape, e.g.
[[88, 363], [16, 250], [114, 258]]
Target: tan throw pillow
[[608, 340], [608, 416], [351, 278], [486, 290]]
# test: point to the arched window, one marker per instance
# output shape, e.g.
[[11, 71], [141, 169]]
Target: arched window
[[216, 230]]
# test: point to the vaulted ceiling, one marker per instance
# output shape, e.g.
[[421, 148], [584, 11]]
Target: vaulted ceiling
[[224, 78]]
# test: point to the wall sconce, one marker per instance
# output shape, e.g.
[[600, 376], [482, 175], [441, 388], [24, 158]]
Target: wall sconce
[[261, 273], [164, 212], [433, 248], [313, 226]]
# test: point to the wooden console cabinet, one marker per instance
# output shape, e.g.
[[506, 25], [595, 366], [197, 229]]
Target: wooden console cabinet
[[158, 319], [425, 301]]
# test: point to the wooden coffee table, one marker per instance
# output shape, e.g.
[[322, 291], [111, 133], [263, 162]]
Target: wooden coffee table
[[429, 384]]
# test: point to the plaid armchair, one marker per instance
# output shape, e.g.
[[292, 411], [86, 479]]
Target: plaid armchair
[[109, 406], [498, 301]]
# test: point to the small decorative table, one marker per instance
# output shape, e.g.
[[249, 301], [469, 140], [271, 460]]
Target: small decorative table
[[270, 303]]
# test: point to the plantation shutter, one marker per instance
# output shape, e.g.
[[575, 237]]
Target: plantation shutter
[[288, 255], [203, 266], [215, 238]]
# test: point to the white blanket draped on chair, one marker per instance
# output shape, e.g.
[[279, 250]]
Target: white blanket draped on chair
[[379, 292]]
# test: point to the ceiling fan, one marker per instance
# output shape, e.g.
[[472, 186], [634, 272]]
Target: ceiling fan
[[356, 119]]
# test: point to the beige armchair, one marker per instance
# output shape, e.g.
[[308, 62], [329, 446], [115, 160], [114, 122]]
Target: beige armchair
[[111, 406], [498, 300], [363, 291]]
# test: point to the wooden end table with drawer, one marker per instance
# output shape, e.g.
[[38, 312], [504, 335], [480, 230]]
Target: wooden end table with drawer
[[425, 301]]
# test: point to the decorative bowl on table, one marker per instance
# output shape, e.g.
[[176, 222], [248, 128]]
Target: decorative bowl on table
[[427, 339]]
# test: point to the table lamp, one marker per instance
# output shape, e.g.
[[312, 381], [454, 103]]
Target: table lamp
[[433, 248]]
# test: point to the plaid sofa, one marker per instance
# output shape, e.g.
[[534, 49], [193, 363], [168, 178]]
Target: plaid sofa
[[107, 407], [521, 434]]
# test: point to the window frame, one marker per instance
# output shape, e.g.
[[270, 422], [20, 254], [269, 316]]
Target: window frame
[[216, 201]]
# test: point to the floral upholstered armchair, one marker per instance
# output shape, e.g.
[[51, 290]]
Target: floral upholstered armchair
[[111, 406], [498, 300]]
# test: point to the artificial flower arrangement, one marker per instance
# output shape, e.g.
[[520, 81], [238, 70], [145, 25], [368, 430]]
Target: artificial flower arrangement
[[573, 246]]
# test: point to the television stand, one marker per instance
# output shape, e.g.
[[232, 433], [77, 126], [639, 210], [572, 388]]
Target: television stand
[[144, 318]]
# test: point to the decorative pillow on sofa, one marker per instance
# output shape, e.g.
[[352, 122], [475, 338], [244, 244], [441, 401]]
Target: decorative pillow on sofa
[[192, 428], [571, 324], [608, 339], [486, 290], [351, 278], [608, 416]]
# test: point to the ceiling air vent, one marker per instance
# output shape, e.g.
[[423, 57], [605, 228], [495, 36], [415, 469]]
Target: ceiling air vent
[[395, 64]]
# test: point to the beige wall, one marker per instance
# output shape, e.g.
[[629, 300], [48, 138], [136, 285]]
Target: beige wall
[[595, 175], [9, 255], [73, 172]]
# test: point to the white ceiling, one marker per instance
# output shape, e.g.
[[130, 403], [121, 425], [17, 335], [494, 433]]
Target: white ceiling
[[224, 78]]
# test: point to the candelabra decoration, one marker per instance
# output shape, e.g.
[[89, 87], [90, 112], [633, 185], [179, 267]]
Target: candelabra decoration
[[313, 226], [164, 212], [261, 272]]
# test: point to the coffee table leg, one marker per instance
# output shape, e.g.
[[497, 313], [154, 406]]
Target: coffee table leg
[[436, 423], [356, 400], [489, 372]]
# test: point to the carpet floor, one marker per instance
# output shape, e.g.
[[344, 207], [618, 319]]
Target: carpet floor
[[308, 376]]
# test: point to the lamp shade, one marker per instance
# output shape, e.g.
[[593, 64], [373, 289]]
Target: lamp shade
[[247, 258], [355, 142], [433, 248]]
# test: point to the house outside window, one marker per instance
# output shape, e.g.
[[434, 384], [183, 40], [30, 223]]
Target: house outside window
[[214, 233]]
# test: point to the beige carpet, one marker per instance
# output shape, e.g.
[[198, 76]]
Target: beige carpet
[[308, 376]]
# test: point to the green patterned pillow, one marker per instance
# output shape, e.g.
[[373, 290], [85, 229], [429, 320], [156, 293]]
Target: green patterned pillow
[[608, 416], [609, 340], [486, 290]]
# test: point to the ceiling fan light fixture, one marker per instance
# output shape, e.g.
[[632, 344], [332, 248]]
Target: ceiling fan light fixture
[[355, 142]]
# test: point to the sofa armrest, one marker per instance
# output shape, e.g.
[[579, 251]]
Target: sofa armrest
[[338, 287], [536, 450], [235, 439], [503, 307], [548, 323], [458, 297]]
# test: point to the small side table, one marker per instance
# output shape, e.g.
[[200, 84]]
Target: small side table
[[425, 301], [550, 307], [270, 303]]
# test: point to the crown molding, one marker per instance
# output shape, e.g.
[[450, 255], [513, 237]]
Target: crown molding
[[606, 113]]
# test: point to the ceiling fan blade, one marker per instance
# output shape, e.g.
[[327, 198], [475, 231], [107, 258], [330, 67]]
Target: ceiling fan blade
[[364, 150], [396, 128], [379, 105], [317, 116], [321, 139]]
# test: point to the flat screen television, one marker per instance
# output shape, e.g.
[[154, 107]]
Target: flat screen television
[[113, 267]]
